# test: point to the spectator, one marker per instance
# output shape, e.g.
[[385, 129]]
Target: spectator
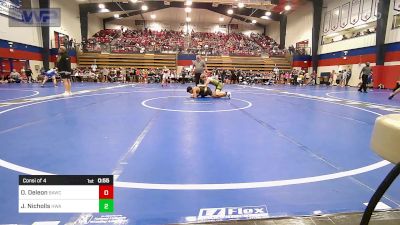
[[15, 77], [28, 73], [348, 77]]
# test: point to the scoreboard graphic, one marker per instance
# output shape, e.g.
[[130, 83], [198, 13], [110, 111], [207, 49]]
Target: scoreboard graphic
[[66, 194]]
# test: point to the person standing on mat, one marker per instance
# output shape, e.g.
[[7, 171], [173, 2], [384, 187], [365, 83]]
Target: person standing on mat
[[364, 75], [199, 66], [28, 73], [64, 68], [396, 90]]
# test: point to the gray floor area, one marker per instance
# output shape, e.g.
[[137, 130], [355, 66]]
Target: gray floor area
[[378, 218]]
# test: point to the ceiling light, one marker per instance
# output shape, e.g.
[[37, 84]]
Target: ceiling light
[[104, 10], [268, 13], [188, 9], [145, 7], [134, 1], [254, 21], [116, 16], [221, 19], [230, 11], [101, 6], [188, 2], [153, 16], [288, 7], [240, 4], [188, 19]]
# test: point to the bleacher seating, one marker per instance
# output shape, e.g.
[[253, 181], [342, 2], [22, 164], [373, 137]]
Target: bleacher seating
[[139, 61], [147, 41], [128, 48]]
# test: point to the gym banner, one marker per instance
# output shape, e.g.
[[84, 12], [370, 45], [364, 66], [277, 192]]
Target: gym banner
[[327, 19], [376, 14], [335, 18], [11, 8], [366, 11], [40, 17], [355, 11], [344, 15], [396, 5]]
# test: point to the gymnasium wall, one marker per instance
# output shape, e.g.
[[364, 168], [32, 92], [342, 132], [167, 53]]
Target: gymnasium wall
[[352, 43], [94, 24], [340, 15], [273, 30], [18, 44], [392, 34], [354, 52], [70, 23], [26, 35], [299, 25]]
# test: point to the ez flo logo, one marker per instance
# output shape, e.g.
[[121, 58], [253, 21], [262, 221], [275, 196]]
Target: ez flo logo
[[37, 18], [247, 212]]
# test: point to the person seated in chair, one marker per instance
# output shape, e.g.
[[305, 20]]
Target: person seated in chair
[[15, 77]]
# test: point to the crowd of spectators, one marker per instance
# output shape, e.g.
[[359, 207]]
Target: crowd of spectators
[[140, 41], [22, 76], [148, 41], [119, 74]]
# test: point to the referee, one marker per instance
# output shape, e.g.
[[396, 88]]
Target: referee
[[364, 75], [198, 68]]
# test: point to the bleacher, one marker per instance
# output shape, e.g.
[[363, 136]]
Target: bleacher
[[138, 61], [143, 61], [247, 63]]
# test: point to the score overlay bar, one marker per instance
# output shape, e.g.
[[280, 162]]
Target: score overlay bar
[[66, 194]]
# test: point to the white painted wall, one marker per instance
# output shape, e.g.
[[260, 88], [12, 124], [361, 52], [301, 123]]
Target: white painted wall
[[25, 35], [355, 68], [35, 72], [273, 30], [332, 5], [352, 43], [299, 25], [396, 63], [70, 23], [94, 24], [392, 35]]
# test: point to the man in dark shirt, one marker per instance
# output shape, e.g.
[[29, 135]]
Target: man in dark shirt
[[28, 73], [348, 77], [364, 75], [64, 68], [183, 74], [223, 75]]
